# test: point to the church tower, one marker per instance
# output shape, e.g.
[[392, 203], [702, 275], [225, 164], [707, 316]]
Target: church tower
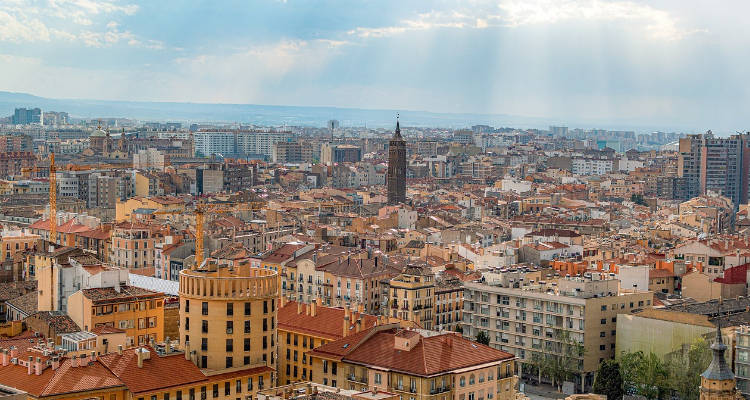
[[396, 178], [718, 382]]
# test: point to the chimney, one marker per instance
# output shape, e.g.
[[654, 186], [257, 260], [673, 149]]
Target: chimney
[[55, 363], [346, 322], [359, 324], [30, 367], [139, 354], [307, 309], [38, 366], [168, 345], [187, 350], [5, 357], [314, 308], [74, 362], [194, 357], [83, 360], [93, 356], [13, 351], [299, 307], [283, 301], [119, 349]]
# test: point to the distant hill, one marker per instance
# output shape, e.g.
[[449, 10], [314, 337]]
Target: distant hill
[[293, 115], [253, 113]]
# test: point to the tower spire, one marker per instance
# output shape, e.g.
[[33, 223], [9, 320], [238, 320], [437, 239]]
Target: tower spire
[[718, 370], [397, 133]]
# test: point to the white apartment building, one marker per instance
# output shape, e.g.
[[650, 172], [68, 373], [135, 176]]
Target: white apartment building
[[591, 166], [532, 321]]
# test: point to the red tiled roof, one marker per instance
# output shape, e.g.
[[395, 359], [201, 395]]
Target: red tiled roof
[[432, 355], [64, 379], [157, 372], [328, 321]]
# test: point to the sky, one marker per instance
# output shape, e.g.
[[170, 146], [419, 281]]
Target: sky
[[679, 63]]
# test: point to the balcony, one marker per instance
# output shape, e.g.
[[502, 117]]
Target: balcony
[[358, 379], [439, 390]]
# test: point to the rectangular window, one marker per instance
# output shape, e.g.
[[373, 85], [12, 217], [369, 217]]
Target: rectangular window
[[230, 309], [230, 327], [238, 386], [247, 326], [216, 390], [227, 388], [230, 345], [204, 308], [204, 326], [248, 307], [228, 363]]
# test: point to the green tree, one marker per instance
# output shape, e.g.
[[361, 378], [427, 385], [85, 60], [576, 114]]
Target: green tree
[[645, 374], [685, 367], [608, 380], [563, 360], [483, 338]]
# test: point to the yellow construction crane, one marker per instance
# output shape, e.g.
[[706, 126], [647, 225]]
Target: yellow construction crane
[[52, 199], [200, 211]]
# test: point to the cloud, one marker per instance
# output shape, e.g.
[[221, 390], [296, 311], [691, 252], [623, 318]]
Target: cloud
[[29, 21], [514, 13]]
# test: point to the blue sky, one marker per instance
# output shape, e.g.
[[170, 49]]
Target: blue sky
[[678, 63]]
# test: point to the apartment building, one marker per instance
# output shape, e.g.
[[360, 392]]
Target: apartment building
[[411, 296], [535, 319], [228, 316], [303, 327], [133, 245], [139, 312], [238, 143], [146, 372], [415, 364]]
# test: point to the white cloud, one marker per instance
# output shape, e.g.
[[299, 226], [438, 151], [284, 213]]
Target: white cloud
[[513, 13], [23, 21]]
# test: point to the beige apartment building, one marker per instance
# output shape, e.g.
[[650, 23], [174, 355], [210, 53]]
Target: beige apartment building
[[228, 316], [416, 365], [533, 320]]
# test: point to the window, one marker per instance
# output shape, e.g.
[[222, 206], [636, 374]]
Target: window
[[187, 309], [216, 390], [265, 306], [604, 321], [602, 334], [604, 308], [249, 384], [203, 393], [378, 378], [204, 308], [238, 386], [165, 397], [179, 395], [204, 344], [248, 308], [247, 326], [204, 326], [192, 393], [227, 388], [230, 345], [187, 323], [230, 309], [265, 325], [228, 363], [602, 347], [230, 327], [247, 344], [462, 381], [471, 379]]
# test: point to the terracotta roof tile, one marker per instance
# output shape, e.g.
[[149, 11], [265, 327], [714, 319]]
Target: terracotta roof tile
[[432, 355], [327, 323], [157, 372]]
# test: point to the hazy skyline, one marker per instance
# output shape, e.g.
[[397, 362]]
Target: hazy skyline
[[669, 63]]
